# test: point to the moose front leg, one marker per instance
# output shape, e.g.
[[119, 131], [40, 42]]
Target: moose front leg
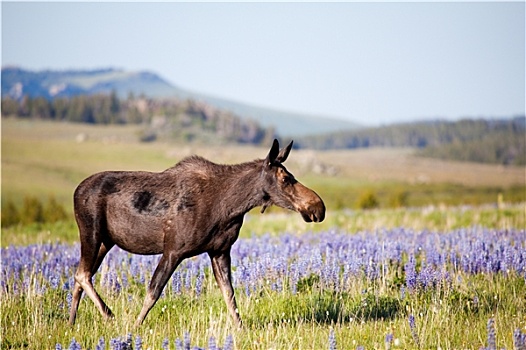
[[162, 274], [221, 264]]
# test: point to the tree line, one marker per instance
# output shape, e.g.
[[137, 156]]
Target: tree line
[[161, 119], [499, 141]]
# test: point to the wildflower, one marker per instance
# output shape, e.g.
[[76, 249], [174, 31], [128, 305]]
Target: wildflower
[[332, 340], [186, 341], [212, 343], [388, 340], [412, 326], [229, 343], [128, 343], [69, 298], [410, 273], [178, 344], [475, 301], [74, 345], [165, 344], [199, 283], [519, 340], [492, 344], [101, 345], [138, 342]]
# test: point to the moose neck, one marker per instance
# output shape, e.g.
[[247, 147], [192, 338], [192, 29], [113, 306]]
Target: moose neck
[[242, 188]]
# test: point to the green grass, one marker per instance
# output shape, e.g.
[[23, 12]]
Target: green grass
[[42, 159], [362, 315]]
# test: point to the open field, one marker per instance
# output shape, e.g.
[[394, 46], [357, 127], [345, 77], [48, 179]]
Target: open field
[[293, 299], [397, 289], [437, 273], [44, 158]]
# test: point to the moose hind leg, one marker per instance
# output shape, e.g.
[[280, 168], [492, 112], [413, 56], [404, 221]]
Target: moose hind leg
[[90, 259], [77, 289], [162, 274], [76, 294], [221, 265]]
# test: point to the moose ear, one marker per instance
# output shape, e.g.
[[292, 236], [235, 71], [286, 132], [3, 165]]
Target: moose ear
[[273, 153], [284, 153]]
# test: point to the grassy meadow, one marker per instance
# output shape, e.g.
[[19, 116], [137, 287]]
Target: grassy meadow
[[438, 262]]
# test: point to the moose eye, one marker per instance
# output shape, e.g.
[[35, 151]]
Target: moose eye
[[287, 180]]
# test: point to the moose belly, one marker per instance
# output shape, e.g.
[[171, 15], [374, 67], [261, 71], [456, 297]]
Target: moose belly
[[135, 233]]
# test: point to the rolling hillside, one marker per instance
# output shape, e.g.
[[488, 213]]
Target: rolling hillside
[[40, 158], [500, 141], [17, 82]]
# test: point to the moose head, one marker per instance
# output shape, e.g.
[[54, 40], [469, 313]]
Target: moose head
[[282, 189]]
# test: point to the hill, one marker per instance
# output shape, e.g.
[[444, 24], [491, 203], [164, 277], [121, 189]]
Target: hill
[[500, 141], [17, 82], [158, 119], [43, 158]]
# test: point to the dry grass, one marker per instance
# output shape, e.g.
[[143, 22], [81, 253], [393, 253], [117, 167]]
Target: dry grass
[[42, 158], [381, 164]]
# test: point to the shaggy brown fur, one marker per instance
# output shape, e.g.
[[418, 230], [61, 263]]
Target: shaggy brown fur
[[194, 207]]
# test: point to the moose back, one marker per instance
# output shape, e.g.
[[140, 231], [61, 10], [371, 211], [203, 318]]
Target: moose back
[[194, 207]]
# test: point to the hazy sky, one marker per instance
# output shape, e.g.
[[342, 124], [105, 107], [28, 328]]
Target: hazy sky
[[372, 63]]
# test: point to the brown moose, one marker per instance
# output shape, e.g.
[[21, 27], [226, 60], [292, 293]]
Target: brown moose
[[194, 207]]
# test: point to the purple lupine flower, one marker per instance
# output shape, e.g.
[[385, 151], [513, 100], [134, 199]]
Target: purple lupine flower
[[186, 341], [332, 340], [427, 277], [176, 282], [229, 343], [129, 340], [58, 346], [69, 298], [101, 345], [476, 301], [492, 343], [212, 343], [519, 340], [115, 344], [199, 282], [138, 342], [179, 344], [410, 273], [412, 327], [74, 345], [124, 279], [402, 292], [54, 282], [188, 280], [166, 344]]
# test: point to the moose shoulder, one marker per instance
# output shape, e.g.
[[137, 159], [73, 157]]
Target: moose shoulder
[[194, 207]]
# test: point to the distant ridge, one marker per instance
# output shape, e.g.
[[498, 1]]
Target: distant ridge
[[498, 141], [17, 82]]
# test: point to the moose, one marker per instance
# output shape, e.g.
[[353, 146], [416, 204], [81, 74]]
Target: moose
[[194, 207]]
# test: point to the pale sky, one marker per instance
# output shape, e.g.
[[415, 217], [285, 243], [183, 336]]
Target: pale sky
[[371, 63]]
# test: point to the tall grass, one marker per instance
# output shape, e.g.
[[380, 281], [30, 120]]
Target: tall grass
[[419, 289]]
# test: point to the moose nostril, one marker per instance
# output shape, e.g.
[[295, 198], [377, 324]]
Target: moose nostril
[[320, 215]]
